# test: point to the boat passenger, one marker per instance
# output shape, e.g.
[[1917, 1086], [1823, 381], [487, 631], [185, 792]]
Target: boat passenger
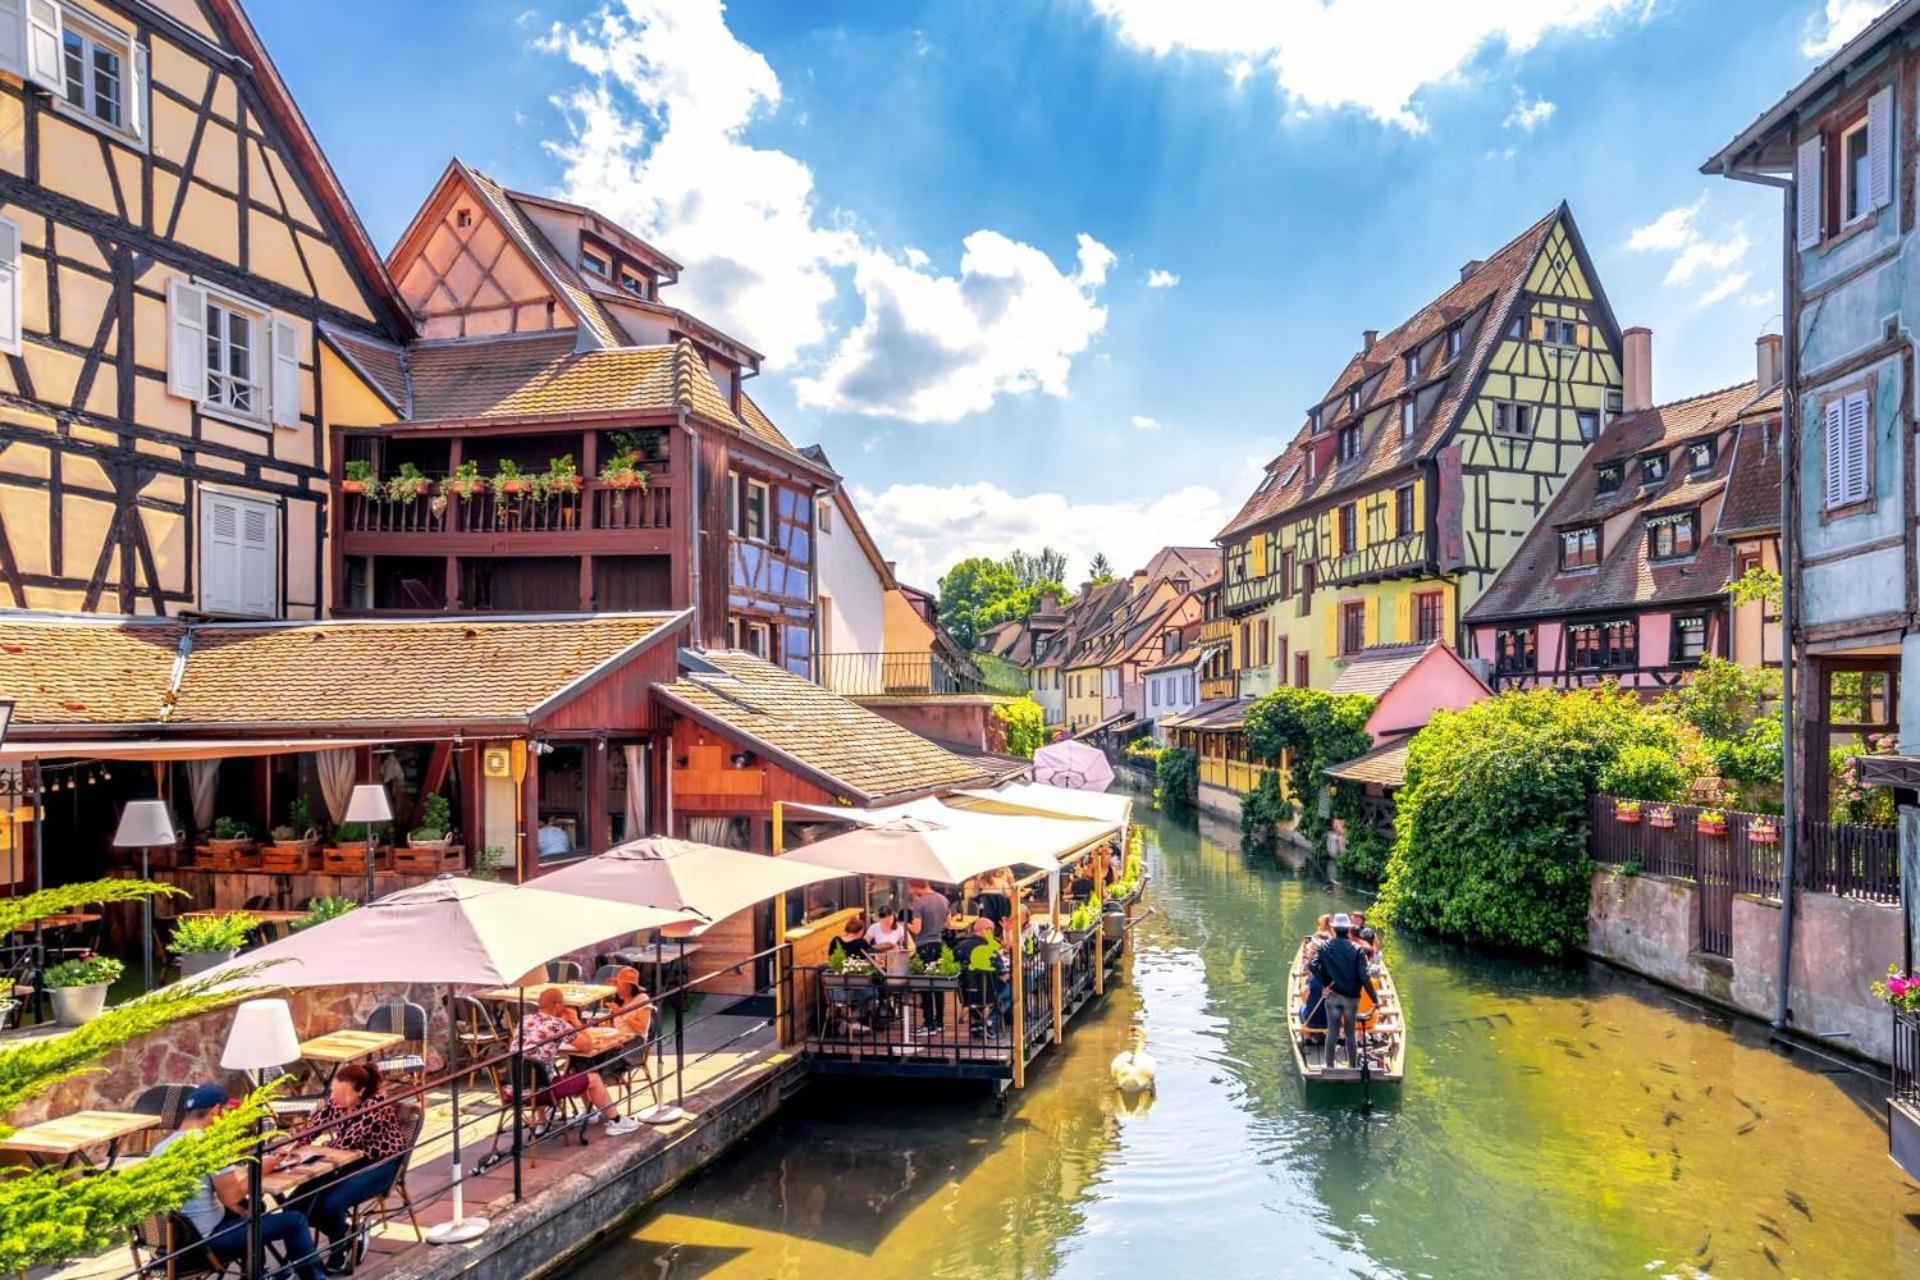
[[1342, 968]]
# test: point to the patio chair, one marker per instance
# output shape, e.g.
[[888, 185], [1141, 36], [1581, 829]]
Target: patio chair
[[542, 1114], [375, 1208], [166, 1101], [563, 971], [408, 1019], [173, 1250], [604, 974], [479, 1035]]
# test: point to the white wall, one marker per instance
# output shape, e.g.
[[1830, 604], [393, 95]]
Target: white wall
[[853, 600]]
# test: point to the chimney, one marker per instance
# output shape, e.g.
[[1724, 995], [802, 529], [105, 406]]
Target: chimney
[[1636, 370], [1766, 351], [1468, 267], [1367, 338]]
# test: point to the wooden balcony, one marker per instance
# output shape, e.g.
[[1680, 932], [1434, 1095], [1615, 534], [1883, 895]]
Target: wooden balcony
[[598, 517]]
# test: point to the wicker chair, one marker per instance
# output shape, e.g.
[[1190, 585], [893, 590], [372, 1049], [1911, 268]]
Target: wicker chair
[[480, 1036], [173, 1249], [407, 1019], [563, 971]]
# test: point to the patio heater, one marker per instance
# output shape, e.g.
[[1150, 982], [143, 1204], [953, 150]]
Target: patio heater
[[144, 824], [369, 805], [261, 1037]]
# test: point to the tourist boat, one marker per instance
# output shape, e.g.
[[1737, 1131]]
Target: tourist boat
[[1384, 1040]]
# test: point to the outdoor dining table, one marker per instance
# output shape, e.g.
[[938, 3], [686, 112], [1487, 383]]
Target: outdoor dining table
[[665, 957], [264, 917], [316, 1162], [66, 1140], [578, 995], [338, 1048], [59, 920]]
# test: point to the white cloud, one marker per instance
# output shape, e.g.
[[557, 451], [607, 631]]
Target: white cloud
[[1713, 259], [1158, 279], [929, 528], [1141, 422], [1527, 116], [1760, 299], [658, 143], [1837, 23], [1330, 54]]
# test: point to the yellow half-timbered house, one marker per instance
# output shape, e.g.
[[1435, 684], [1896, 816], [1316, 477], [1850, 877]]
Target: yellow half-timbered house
[[1417, 475], [173, 250]]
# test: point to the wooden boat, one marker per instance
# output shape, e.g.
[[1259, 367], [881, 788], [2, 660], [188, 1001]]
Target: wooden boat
[[1383, 1035]]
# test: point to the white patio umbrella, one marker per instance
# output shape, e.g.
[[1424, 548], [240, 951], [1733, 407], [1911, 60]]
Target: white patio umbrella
[[1073, 765], [921, 849], [449, 931], [684, 875], [1034, 797]]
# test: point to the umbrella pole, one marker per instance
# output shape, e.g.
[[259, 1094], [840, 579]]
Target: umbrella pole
[[146, 922], [665, 1112], [462, 1228]]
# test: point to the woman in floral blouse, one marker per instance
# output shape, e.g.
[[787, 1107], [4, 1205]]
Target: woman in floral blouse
[[356, 1115]]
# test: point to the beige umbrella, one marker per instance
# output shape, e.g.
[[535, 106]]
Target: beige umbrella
[[684, 876], [921, 849]]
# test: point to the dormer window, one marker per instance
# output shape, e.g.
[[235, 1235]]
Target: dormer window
[[1353, 400], [1313, 420], [1699, 456], [1673, 537], [1413, 366], [633, 284], [1453, 343], [1607, 478], [1580, 548], [1653, 468], [1349, 443], [1406, 418], [595, 265]]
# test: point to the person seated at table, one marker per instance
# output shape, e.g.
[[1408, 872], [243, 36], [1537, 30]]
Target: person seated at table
[[853, 937], [979, 933], [356, 1115], [886, 933], [630, 1005], [552, 1029], [218, 1207]]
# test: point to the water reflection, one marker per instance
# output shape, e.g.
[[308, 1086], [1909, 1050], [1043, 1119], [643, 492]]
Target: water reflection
[[1568, 1122]]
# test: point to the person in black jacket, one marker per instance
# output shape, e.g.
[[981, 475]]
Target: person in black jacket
[[1342, 970]]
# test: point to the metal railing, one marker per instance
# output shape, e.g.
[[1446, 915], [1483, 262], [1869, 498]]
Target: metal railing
[[1906, 1059], [1839, 858], [907, 673]]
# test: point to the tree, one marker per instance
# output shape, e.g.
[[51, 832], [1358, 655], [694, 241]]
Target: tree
[[1099, 570], [1045, 567], [980, 592], [1311, 729], [1025, 725], [48, 1216]]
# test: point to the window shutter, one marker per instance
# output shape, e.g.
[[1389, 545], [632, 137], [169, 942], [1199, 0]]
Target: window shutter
[[1333, 629], [1880, 147], [13, 37], [1372, 632], [1854, 471], [137, 93], [1403, 620], [259, 559], [286, 374], [219, 554], [1806, 174], [45, 66], [1833, 453], [187, 342], [9, 287]]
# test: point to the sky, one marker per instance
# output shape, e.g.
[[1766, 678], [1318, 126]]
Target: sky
[[1071, 271]]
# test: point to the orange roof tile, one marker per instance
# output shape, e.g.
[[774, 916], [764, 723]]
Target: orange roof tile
[[470, 378], [75, 671]]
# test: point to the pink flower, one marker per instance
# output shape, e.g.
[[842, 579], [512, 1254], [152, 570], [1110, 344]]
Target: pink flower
[[1897, 986]]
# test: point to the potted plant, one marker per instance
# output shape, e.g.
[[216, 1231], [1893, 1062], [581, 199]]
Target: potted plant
[[293, 841], [622, 471], [79, 987], [1082, 920], [465, 482], [1763, 831], [358, 477], [845, 971], [508, 480], [408, 485], [1711, 822], [1626, 812], [1901, 990], [1661, 816], [347, 855], [487, 862], [436, 825], [321, 910], [201, 942], [562, 476]]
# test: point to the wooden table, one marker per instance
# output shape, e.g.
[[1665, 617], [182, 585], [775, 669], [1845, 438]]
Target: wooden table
[[60, 920], [340, 1047], [67, 1138], [578, 995], [667, 956], [282, 1183]]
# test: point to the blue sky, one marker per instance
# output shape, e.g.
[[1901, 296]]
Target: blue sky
[[944, 220]]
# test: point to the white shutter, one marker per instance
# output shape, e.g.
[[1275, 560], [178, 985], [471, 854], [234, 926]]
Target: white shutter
[[219, 553], [137, 93], [1833, 453], [9, 287], [45, 65], [259, 559], [13, 37], [1806, 176], [286, 374], [1880, 148], [1854, 472], [187, 341]]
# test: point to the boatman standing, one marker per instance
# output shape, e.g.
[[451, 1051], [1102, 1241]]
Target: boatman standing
[[1342, 970]]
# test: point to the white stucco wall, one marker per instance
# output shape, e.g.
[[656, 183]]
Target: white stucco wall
[[853, 618]]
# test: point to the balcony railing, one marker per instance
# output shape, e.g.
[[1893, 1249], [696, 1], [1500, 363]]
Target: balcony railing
[[596, 506], [875, 675]]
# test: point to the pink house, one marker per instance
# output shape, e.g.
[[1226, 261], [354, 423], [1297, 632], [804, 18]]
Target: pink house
[[1409, 682]]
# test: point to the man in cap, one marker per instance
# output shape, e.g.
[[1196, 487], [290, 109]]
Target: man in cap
[[1342, 970], [219, 1210]]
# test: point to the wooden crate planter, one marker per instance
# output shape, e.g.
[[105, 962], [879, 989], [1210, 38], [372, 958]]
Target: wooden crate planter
[[1661, 817], [294, 857], [345, 860], [1707, 826], [1627, 815], [1763, 833], [228, 855], [428, 859]]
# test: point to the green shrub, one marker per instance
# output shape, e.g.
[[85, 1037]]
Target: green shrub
[[83, 971], [1643, 772], [321, 910], [1177, 772], [1312, 729], [196, 935], [1025, 726], [1263, 811], [1721, 698], [1491, 830], [1755, 764], [1364, 854]]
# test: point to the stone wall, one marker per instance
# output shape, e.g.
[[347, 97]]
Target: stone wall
[[1651, 925]]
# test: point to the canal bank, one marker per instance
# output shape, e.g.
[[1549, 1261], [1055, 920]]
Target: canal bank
[[1575, 1121]]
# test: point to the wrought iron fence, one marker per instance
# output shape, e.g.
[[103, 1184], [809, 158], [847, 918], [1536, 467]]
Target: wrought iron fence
[[1840, 858], [905, 673], [1906, 1059]]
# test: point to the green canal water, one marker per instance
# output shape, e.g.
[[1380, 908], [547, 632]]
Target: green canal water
[[1555, 1122]]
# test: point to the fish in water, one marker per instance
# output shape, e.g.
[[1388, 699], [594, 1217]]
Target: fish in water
[[1645, 1087], [1668, 1116], [1667, 1067], [1669, 1035], [1775, 1232], [1799, 1205], [1574, 1053], [1562, 1041], [1528, 1069], [1675, 1093], [1704, 1245], [1749, 1106], [1591, 1045], [1628, 1130], [1772, 1257], [1746, 1128], [1709, 1091], [1675, 1176]]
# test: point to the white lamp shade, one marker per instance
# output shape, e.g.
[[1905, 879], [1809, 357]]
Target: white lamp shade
[[262, 1036], [369, 804], [144, 823]]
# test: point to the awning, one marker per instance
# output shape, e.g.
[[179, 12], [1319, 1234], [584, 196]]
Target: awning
[[184, 748], [1044, 835], [1031, 797]]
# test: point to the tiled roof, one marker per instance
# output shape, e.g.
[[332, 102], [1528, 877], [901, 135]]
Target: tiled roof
[[62, 671], [759, 424], [1374, 671], [1532, 584], [1385, 765], [1478, 302], [1752, 504], [1220, 713], [1185, 658], [385, 671], [533, 242], [846, 746], [382, 364], [470, 378]]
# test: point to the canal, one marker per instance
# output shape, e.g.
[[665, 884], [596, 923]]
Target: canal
[[1561, 1122]]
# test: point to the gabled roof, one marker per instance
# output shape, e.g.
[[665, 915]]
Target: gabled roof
[[1385, 765], [1480, 303], [1376, 670], [1752, 504], [381, 365], [67, 672], [1531, 583], [542, 375], [599, 326], [833, 741]]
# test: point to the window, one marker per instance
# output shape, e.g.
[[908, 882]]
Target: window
[[1154, 685], [594, 264], [1511, 419], [1689, 639], [1286, 573], [1429, 613], [1300, 669], [9, 286], [1672, 537], [463, 218], [1616, 400], [760, 640], [1349, 443], [1589, 423], [1313, 419], [1353, 627], [1266, 642], [1700, 455], [102, 74], [1403, 510], [1453, 342], [1848, 473], [1653, 468], [231, 356], [1353, 400], [1580, 548], [1620, 644], [753, 515], [1406, 418], [823, 515], [1583, 647], [1413, 366], [1518, 329], [1856, 180], [1349, 539], [1607, 479], [239, 555], [1309, 579], [1513, 651], [1843, 175], [632, 283]]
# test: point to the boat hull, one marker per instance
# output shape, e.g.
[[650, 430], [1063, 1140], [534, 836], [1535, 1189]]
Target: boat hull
[[1384, 1034]]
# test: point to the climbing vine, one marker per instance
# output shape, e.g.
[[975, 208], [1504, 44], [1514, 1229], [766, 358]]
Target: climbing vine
[[1178, 774], [1311, 729]]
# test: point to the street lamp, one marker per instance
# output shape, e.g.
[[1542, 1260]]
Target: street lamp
[[262, 1036], [143, 824], [369, 805]]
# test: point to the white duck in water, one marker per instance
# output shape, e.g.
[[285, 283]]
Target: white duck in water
[[1132, 1069]]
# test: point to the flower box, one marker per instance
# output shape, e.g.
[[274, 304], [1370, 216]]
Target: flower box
[[1660, 816], [1763, 833], [518, 484], [407, 488], [1710, 826], [563, 484], [468, 488], [1626, 814], [344, 859], [353, 486], [625, 480]]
